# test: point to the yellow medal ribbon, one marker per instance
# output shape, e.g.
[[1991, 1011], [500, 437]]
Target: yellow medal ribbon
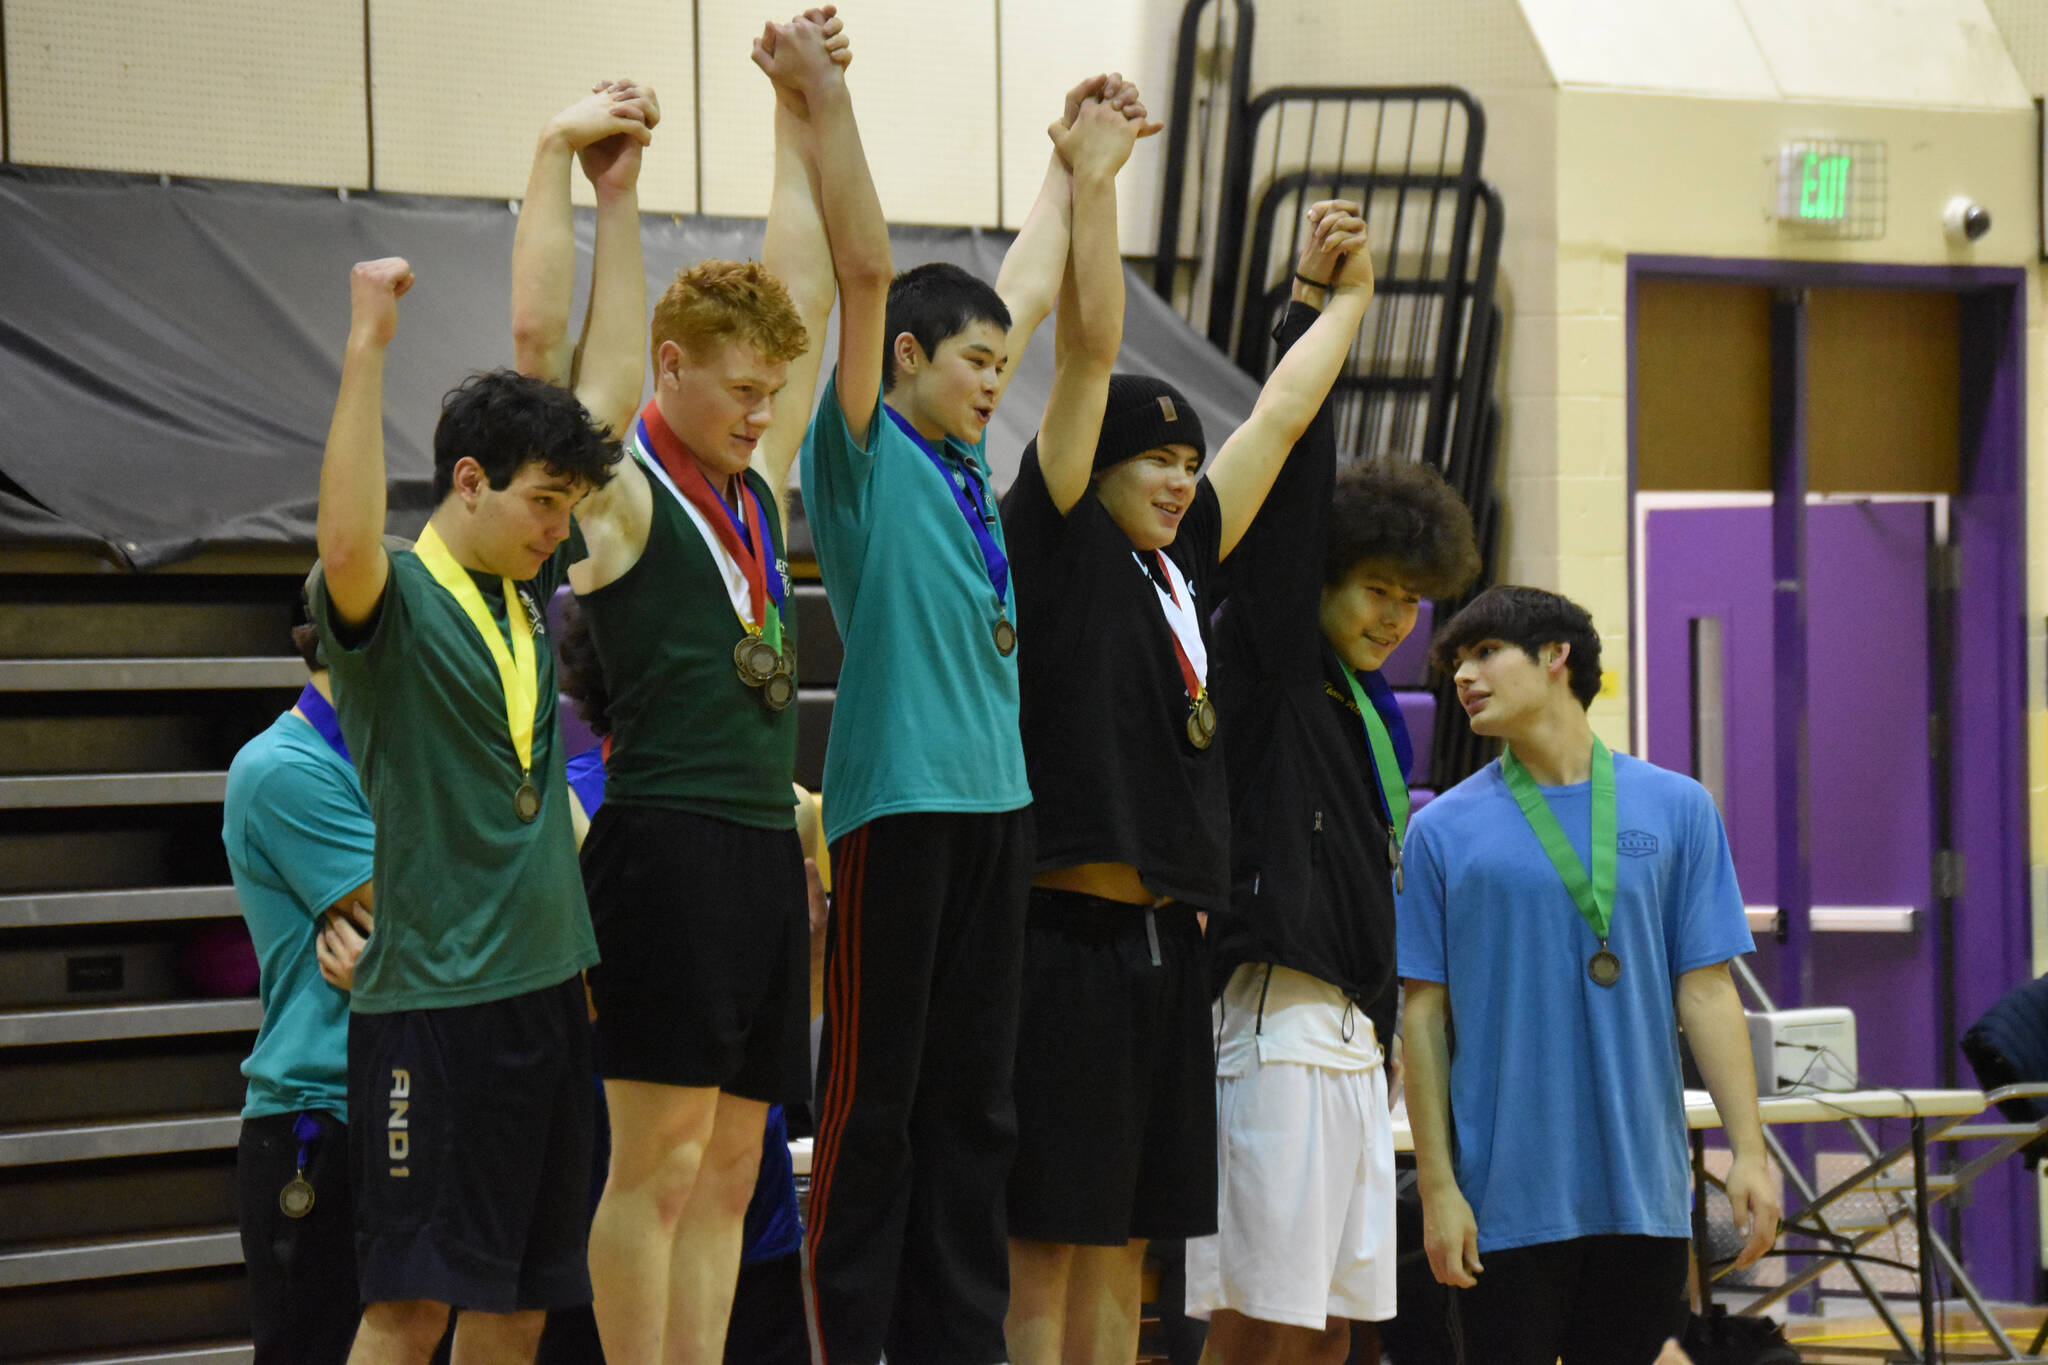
[[516, 667]]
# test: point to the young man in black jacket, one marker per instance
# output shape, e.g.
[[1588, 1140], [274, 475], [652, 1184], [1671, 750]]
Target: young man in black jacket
[[1326, 585]]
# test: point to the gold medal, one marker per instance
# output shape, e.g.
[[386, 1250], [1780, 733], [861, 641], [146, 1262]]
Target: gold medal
[[778, 691], [756, 660], [1604, 967], [1202, 720], [295, 1200], [526, 803], [1006, 636]]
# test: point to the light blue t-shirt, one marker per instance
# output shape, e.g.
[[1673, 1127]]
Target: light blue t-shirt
[[1567, 1110], [298, 836], [926, 718]]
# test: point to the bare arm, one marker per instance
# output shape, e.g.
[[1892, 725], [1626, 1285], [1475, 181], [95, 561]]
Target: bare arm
[[350, 524], [544, 242], [344, 931], [1710, 1011], [1090, 325], [1450, 1235], [799, 253], [1244, 469], [859, 235], [611, 363]]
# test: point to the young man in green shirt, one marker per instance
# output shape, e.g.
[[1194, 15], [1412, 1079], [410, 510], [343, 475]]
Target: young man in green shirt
[[468, 1043], [693, 868]]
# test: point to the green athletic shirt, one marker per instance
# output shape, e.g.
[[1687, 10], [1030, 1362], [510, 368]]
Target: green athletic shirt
[[687, 734], [473, 904]]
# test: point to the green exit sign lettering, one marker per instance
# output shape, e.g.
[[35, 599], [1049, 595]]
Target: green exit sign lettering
[[1832, 188]]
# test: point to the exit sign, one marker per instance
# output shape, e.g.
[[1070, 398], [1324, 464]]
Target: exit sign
[[1831, 188]]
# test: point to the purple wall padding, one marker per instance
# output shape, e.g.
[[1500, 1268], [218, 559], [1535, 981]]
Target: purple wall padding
[[1419, 710], [1418, 797], [1408, 665]]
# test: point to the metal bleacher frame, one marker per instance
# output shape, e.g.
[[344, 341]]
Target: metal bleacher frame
[[84, 621], [1240, 169]]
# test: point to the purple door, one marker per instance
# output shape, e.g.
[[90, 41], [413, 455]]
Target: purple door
[[1707, 600]]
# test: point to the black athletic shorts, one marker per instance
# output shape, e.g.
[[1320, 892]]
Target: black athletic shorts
[[703, 931], [469, 1135], [1116, 1075]]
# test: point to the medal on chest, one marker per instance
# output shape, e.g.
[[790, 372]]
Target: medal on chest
[[1592, 892], [1177, 603]]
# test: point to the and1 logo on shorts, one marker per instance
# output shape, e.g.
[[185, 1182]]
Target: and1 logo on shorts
[[398, 1129]]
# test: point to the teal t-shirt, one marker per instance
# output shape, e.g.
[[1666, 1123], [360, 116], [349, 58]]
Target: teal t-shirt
[[298, 837], [473, 904], [1567, 1110], [926, 718]]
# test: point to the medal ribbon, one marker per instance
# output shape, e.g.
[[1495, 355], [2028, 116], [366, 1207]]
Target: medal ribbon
[[321, 717], [517, 671], [974, 507], [1595, 895], [676, 470], [1188, 649], [1386, 768]]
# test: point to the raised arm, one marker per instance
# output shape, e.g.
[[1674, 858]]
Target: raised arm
[[1710, 1011], [1450, 1235], [350, 525], [858, 234], [797, 251], [544, 242], [611, 362], [1243, 471], [1090, 325]]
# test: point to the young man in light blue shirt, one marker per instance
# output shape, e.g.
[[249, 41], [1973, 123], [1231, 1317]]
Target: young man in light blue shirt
[[1564, 911]]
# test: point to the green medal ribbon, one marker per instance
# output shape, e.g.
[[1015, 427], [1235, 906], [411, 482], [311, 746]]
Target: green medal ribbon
[[1593, 895], [1395, 791]]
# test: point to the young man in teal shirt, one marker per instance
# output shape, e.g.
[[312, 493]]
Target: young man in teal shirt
[[298, 836], [928, 801]]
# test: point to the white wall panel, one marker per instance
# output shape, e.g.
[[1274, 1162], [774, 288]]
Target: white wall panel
[[1700, 47], [1483, 44], [924, 87], [239, 89], [1925, 52], [2024, 23], [462, 87], [1049, 46]]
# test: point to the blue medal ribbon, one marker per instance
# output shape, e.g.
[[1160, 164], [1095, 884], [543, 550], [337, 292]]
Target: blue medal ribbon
[[973, 504], [321, 717]]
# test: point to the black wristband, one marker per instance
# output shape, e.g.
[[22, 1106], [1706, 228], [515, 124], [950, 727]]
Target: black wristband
[[1313, 284]]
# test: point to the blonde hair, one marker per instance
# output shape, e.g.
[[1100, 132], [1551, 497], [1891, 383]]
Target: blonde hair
[[719, 301]]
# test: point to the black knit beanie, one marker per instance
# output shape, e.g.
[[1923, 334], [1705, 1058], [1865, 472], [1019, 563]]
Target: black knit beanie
[[1144, 414]]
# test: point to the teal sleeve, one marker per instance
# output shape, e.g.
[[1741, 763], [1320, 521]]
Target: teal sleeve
[[312, 825]]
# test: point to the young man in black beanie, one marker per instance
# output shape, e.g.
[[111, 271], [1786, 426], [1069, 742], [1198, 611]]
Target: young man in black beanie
[[1116, 543]]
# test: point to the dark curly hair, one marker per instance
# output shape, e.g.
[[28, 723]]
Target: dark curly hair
[[932, 302], [505, 421], [1401, 515], [1528, 618], [580, 676]]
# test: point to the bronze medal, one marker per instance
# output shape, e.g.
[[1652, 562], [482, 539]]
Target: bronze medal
[[295, 1200], [755, 659], [1202, 721], [779, 690], [1604, 967], [1006, 636], [526, 803]]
